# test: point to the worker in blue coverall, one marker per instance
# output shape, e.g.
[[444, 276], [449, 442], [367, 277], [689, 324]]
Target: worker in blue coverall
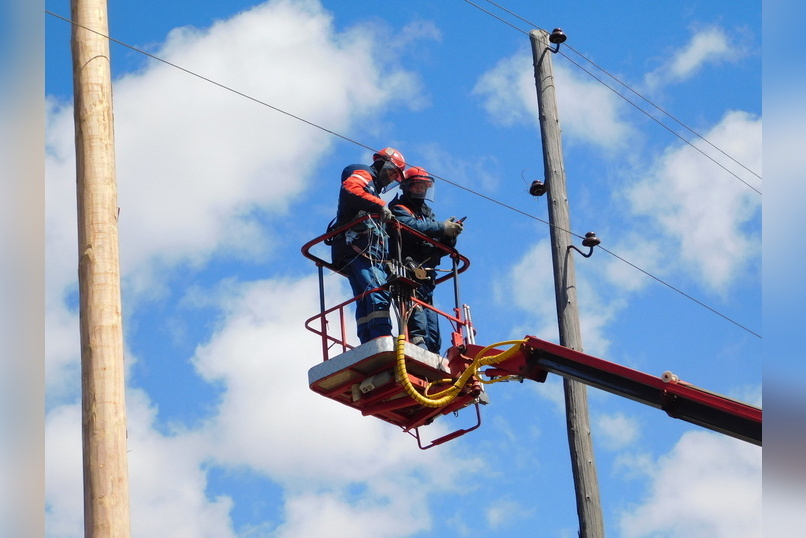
[[410, 208], [361, 252]]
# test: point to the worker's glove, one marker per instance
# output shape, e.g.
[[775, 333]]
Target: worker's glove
[[452, 228], [386, 214]]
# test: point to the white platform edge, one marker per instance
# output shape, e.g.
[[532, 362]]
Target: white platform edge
[[384, 344]]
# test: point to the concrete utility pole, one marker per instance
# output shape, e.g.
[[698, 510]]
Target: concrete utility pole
[[586, 485], [103, 410]]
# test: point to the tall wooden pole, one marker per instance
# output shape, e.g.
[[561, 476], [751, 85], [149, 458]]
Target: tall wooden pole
[[586, 485], [103, 417]]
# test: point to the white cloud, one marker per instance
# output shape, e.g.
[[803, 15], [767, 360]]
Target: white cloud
[[707, 46], [616, 430], [196, 162], [61, 258], [166, 480], [533, 295], [536, 296], [62, 347], [708, 485], [634, 465], [703, 210], [688, 215], [478, 171], [506, 91], [262, 355], [415, 38], [633, 245], [196, 166], [375, 518], [63, 460], [268, 422], [501, 513], [588, 111]]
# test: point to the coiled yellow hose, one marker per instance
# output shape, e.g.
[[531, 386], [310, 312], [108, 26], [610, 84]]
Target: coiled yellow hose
[[446, 396]]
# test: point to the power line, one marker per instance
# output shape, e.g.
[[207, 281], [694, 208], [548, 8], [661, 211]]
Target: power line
[[223, 86], [684, 294], [695, 133], [629, 101], [312, 124], [343, 137], [678, 135], [491, 14], [502, 8], [698, 135], [654, 119], [620, 258]]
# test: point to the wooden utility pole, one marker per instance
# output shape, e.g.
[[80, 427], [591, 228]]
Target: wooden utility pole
[[586, 484], [103, 410]]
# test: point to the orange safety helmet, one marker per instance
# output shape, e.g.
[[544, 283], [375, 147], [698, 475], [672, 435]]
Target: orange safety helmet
[[418, 175]]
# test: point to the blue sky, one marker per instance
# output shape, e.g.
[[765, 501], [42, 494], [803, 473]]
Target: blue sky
[[218, 193]]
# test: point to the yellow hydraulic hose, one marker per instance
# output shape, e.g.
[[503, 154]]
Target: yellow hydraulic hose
[[446, 396], [437, 382], [404, 378], [504, 355], [480, 361], [495, 359]]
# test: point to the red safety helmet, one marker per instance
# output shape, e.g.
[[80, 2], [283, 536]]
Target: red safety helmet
[[392, 155], [418, 183], [390, 174]]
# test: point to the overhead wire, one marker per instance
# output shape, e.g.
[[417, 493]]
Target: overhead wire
[[360, 144], [639, 108], [491, 14], [603, 70], [211, 81], [657, 121], [665, 113], [675, 133], [681, 292]]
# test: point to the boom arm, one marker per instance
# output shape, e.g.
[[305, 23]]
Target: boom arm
[[679, 399], [370, 378]]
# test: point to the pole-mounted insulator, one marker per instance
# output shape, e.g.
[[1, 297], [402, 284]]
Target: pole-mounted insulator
[[590, 241], [557, 37], [538, 188]]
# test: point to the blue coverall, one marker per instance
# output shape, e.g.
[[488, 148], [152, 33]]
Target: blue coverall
[[416, 214], [361, 252]]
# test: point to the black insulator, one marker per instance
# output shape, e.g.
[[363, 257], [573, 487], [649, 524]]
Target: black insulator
[[590, 240], [538, 188], [557, 36]]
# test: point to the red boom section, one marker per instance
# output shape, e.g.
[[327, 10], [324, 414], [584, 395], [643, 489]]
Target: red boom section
[[677, 398]]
